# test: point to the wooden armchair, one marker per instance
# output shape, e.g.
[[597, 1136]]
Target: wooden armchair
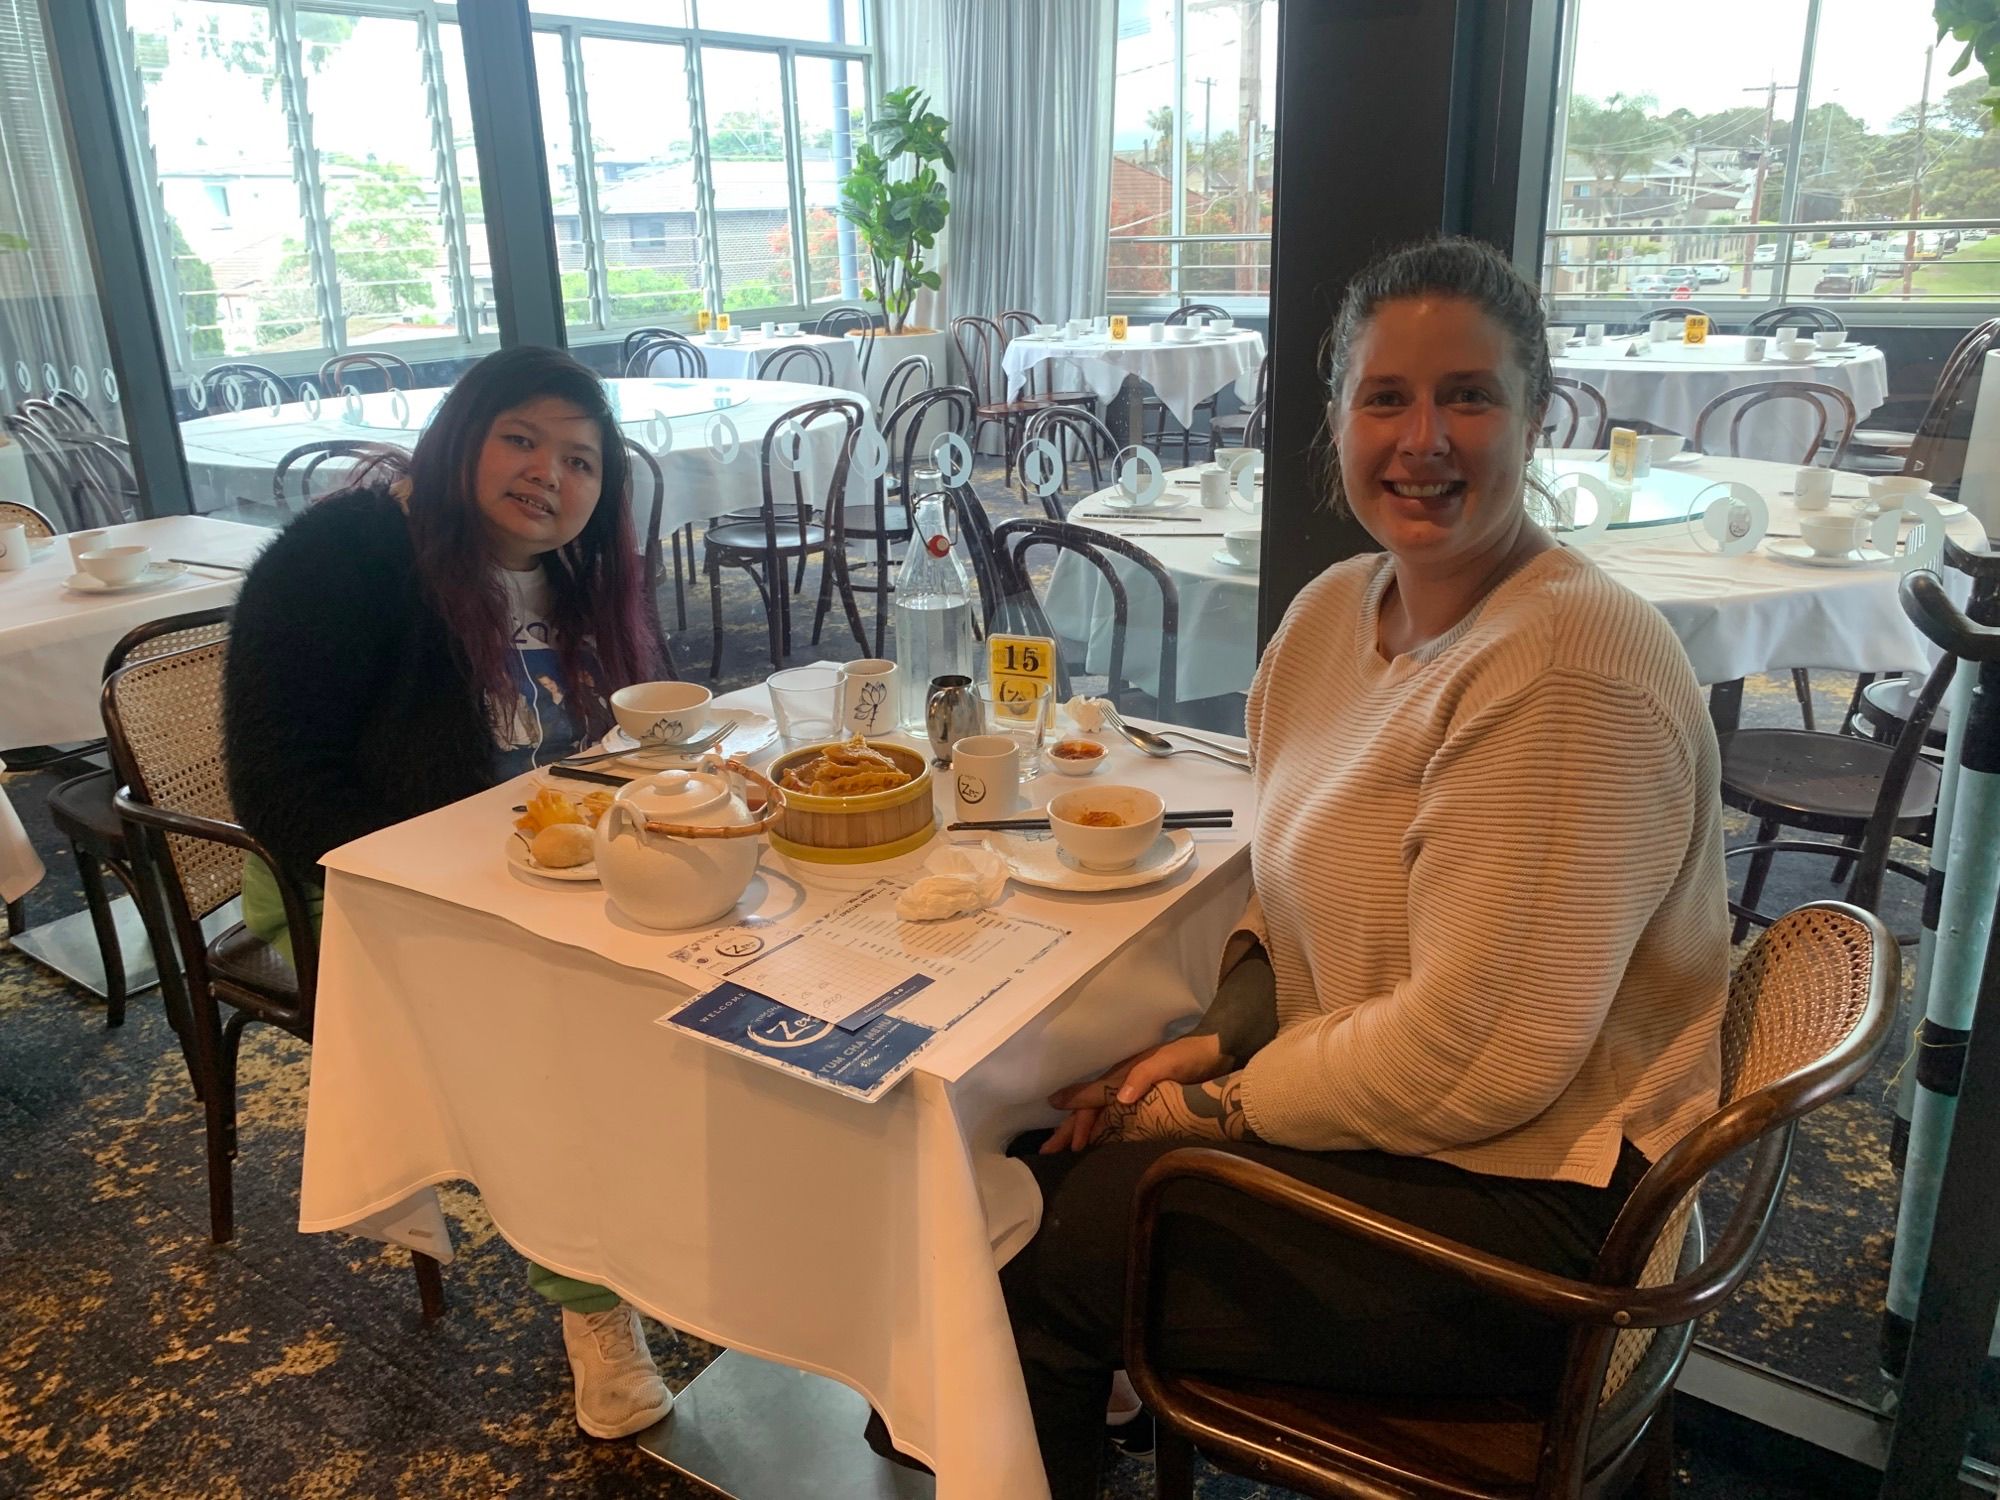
[[1809, 1009]]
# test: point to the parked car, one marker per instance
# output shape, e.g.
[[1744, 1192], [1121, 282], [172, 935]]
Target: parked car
[[1765, 254], [1711, 273], [1652, 286], [1840, 242], [1834, 286], [1949, 243]]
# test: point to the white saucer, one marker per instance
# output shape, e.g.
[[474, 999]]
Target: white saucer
[[1799, 552], [519, 857], [155, 575], [1946, 509], [749, 732], [1034, 859], [1168, 501], [1230, 560], [1681, 460]]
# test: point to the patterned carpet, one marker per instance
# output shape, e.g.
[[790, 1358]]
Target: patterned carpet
[[139, 1360]]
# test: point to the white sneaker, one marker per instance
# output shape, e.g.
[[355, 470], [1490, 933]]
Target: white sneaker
[[618, 1387]]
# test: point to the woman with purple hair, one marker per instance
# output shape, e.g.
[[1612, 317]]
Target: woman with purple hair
[[405, 644]]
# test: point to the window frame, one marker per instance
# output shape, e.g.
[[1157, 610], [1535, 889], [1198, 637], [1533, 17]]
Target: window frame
[[1608, 307], [468, 314], [1253, 304]]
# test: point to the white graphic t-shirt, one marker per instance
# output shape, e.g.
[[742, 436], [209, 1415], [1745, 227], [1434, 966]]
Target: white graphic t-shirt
[[540, 725]]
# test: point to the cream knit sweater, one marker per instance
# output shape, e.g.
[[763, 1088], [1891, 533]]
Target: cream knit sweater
[[1489, 875]]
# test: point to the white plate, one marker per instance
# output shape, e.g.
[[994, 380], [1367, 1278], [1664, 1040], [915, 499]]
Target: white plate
[[1799, 552], [1034, 859], [155, 575], [1168, 501], [1230, 560], [749, 732], [519, 857], [1682, 460], [1946, 509]]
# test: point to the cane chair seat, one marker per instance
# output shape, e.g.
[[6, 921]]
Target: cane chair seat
[[1808, 1011], [256, 970], [18, 513]]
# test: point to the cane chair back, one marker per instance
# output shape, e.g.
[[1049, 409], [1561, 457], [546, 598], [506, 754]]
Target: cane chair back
[[680, 353], [342, 370], [1796, 315], [18, 513], [1077, 436], [850, 322], [1014, 540], [1830, 406], [910, 376], [1578, 416], [783, 364]]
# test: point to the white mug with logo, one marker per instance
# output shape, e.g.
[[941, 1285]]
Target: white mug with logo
[[13, 548], [867, 696], [1813, 488], [985, 776], [1753, 348], [1214, 487], [1593, 334]]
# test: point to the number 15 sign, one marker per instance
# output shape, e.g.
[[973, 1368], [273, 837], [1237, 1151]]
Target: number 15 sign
[[1023, 668]]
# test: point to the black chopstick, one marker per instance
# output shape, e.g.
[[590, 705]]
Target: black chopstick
[[195, 562], [602, 778], [1041, 825]]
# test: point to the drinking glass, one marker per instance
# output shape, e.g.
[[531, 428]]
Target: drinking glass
[[1020, 711], [806, 702]]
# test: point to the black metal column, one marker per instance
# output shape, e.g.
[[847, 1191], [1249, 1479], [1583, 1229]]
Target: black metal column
[[1397, 119], [513, 171], [80, 64]]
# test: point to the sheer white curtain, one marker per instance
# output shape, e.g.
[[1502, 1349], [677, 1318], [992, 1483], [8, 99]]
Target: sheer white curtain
[[1029, 88], [911, 50]]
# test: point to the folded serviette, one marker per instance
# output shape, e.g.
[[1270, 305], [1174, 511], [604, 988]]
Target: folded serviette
[[960, 881]]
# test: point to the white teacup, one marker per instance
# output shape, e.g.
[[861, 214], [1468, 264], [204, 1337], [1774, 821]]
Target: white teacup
[[664, 712], [1593, 334], [769, 330], [1753, 349], [116, 564], [1246, 546], [1227, 456], [81, 542], [1215, 487], [1812, 489], [868, 696], [787, 330], [1829, 339], [1796, 352], [1832, 533], [1179, 333], [1894, 491], [715, 336], [1078, 327], [985, 775], [1221, 325], [1048, 330], [1665, 330], [1559, 338]]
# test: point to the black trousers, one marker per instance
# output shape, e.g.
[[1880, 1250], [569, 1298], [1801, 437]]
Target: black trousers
[[1250, 1291]]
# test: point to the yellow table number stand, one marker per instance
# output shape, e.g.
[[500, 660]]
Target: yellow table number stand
[[1118, 327], [722, 322], [1695, 328], [1022, 668]]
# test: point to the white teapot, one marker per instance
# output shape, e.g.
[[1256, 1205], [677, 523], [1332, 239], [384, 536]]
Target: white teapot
[[678, 848]]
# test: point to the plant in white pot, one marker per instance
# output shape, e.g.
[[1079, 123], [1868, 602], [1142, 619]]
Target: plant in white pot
[[898, 208]]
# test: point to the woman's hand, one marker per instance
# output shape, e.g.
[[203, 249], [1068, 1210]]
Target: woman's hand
[[1207, 1111], [1190, 1059]]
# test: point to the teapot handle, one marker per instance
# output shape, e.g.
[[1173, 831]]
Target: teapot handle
[[774, 808]]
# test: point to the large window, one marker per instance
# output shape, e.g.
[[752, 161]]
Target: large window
[[315, 187], [1823, 155], [1192, 138]]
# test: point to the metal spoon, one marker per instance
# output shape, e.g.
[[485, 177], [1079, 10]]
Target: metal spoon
[[1152, 744]]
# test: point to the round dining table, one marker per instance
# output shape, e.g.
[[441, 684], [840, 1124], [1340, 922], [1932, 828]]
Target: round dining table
[[1736, 616], [1181, 373], [705, 433], [1668, 384]]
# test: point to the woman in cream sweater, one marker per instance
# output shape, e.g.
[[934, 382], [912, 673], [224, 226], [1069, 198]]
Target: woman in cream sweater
[[1481, 985]]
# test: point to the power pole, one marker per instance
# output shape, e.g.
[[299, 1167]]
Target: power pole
[[1249, 130], [1917, 179], [1763, 166]]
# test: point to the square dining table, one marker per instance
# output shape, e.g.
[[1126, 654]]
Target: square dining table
[[478, 1023]]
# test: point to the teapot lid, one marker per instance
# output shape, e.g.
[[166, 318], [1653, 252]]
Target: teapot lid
[[677, 796]]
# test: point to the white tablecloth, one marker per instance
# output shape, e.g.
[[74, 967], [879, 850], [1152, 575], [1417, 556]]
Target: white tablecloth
[[20, 867], [1180, 374], [744, 359], [472, 1027], [1668, 385], [1735, 615], [232, 455], [53, 642]]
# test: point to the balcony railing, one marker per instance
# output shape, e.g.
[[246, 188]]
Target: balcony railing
[[1180, 267]]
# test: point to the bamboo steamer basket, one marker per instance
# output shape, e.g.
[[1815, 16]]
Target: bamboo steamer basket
[[855, 830]]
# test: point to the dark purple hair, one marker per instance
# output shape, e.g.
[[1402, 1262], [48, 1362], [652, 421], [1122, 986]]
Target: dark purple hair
[[596, 582]]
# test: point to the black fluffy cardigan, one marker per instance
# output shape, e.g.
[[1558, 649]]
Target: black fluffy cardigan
[[346, 704]]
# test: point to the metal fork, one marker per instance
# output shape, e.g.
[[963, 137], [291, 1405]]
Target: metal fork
[[707, 741], [1159, 747]]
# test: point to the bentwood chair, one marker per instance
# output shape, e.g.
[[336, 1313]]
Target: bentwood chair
[[342, 458], [1935, 448], [1157, 408], [1830, 407], [1011, 544], [855, 323], [82, 813], [1231, 429], [1077, 436], [788, 526], [784, 364], [1257, 431], [342, 370], [680, 355], [1018, 321], [1680, 310], [1578, 416], [647, 509], [165, 719], [906, 378], [1808, 1012], [982, 349], [631, 342], [1796, 315], [236, 385]]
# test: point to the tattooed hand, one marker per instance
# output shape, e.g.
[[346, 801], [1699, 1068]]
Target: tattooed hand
[[1211, 1111]]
